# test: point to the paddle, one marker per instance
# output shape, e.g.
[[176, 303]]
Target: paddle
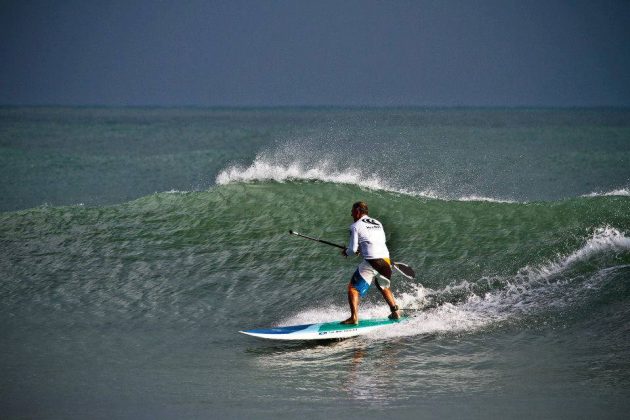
[[402, 268]]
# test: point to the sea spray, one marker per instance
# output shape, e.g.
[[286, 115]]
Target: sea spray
[[263, 169]]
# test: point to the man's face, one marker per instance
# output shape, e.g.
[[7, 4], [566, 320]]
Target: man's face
[[355, 213]]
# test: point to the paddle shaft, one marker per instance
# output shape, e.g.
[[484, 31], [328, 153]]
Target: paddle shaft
[[316, 240]]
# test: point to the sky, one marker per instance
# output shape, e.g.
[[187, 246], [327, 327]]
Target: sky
[[312, 53]]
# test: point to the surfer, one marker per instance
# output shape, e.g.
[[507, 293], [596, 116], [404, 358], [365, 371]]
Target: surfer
[[367, 237]]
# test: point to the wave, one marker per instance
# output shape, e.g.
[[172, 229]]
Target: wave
[[545, 246], [532, 291], [468, 307], [326, 171], [347, 159], [603, 239]]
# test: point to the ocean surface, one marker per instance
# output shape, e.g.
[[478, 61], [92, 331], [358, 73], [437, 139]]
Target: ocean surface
[[135, 243]]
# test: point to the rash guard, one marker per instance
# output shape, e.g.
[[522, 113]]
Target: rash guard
[[368, 236]]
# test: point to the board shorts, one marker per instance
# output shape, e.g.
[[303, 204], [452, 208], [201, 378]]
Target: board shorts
[[367, 271]]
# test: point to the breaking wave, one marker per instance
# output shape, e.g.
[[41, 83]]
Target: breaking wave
[[326, 171], [624, 192], [466, 306]]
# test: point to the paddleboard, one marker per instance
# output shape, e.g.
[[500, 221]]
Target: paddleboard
[[322, 331]]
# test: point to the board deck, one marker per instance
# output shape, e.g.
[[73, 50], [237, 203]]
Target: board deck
[[321, 331]]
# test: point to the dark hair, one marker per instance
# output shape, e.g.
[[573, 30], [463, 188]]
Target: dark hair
[[362, 206]]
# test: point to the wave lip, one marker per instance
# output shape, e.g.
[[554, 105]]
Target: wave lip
[[261, 170], [475, 197], [624, 192], [324, 171], [603, 239]]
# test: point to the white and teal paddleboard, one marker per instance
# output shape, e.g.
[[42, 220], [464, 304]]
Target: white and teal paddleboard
[[321, 331]]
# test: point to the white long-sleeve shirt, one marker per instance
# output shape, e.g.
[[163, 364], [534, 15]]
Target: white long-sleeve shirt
[[368, 235]]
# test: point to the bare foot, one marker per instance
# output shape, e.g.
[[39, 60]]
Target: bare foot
[[350, 321], [394, 315]]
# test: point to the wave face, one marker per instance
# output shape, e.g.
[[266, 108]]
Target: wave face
[[167, 280], [188, 257]]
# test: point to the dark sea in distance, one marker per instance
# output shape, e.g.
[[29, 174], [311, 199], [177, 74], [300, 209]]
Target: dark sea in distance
[[136, 242]]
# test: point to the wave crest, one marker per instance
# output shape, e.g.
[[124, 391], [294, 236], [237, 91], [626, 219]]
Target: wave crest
[[325, 171], [262, 170], [603, 239], [624, 192]]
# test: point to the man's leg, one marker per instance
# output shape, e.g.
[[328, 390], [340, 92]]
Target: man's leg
[[353, 300], [389, 297], [383, 267]]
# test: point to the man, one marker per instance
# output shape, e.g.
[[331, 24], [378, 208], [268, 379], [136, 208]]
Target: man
[[368, 237]]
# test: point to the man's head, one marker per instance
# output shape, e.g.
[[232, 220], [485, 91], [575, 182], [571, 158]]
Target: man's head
[[359, 209]]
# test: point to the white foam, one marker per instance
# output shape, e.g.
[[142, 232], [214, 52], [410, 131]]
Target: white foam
[[618, 192], [444, 318], [174, 191], [603, 239], [533, 288], [264, 169], [487, 199]]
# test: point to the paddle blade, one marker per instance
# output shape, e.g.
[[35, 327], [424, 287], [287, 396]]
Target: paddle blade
[[405, 270]]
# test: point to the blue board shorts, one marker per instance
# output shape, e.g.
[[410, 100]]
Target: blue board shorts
[[363, 276]]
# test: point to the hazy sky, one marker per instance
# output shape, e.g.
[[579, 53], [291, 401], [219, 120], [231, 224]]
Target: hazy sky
[[385, 53]]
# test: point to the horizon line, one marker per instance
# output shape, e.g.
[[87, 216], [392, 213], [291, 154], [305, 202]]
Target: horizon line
[[314, 106]]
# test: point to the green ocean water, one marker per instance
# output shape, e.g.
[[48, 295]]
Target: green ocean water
[[137, 242]]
